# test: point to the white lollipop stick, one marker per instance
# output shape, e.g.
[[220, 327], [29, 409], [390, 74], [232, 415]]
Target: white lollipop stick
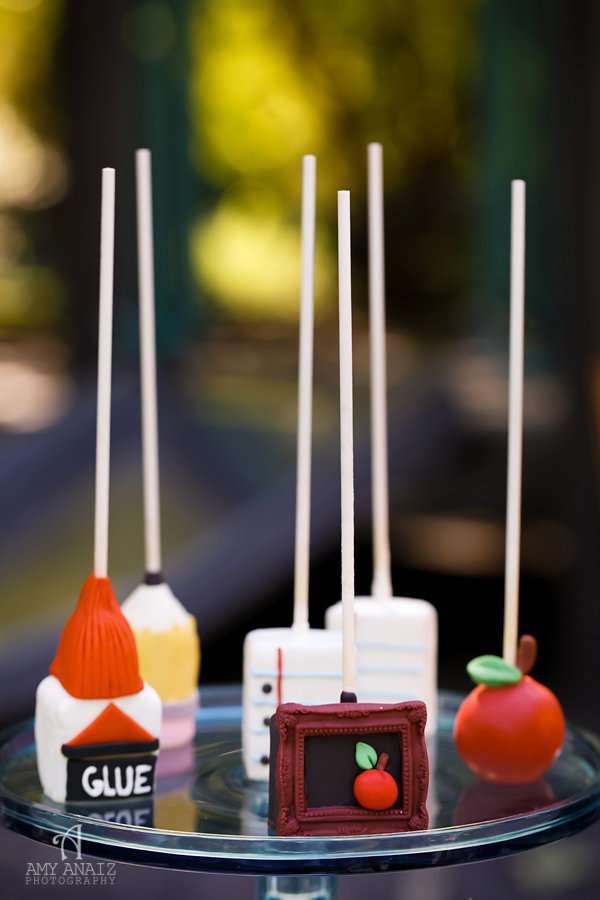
[[515, 422], [382, 575], [143, 170], [346, 443], [107, 244], [305, 388]]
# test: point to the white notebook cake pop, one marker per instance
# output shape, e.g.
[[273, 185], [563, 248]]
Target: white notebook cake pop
[[396, 637], [300, 663]]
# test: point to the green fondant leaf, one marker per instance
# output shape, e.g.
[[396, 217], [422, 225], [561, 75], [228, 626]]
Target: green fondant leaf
[[493, 671], [365, 755]]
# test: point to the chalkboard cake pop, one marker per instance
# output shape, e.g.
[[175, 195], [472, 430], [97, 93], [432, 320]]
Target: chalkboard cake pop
[[510, 728], [348, 767], [165, 632], [97, 723]]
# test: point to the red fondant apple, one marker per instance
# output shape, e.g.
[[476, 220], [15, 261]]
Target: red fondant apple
[[374, 788], [510, 728]]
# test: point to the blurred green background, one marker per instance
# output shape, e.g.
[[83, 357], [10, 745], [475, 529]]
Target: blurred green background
[[229, 94]]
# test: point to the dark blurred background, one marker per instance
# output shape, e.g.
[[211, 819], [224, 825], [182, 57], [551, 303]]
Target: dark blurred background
[[228, 94]]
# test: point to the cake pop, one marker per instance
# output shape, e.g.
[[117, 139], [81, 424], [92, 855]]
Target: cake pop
[[348, 767], [165, 632], [511, 728], [298, 663], [97, 722]]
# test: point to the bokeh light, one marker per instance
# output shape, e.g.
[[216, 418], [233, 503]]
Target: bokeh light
[[270, 82]]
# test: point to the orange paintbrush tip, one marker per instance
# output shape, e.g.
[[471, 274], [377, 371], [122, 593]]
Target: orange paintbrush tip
[[96, 655]]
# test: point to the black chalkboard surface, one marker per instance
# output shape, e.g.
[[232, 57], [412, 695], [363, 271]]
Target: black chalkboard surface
[[330, 767]]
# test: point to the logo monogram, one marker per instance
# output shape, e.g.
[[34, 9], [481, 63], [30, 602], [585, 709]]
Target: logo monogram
[[73, 870], [72, 836]]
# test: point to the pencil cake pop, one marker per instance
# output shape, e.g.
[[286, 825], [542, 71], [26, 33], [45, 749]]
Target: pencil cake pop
[[510, 728], [298, 663], [348, 767], [165, 632], [396, 636], [97, 722]]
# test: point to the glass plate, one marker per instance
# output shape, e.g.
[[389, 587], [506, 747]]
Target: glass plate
[[207, 816]]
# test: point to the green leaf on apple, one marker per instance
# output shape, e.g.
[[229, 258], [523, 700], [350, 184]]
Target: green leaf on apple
[[493, 671], [365, 755]]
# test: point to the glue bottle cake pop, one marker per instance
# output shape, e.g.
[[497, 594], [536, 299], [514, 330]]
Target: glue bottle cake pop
[[510, 728], [165, 632], [349, 767], [396, 636], [97, 723]]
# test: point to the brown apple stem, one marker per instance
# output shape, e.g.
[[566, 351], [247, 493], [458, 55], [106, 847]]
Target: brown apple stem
[[383, 761], [526, 653]]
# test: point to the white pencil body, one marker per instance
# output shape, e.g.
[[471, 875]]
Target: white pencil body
[[515, 422], [107, 243]]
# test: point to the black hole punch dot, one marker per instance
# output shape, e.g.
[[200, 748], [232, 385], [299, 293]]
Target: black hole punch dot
[[267, 688], [266, 721], [264, 760]]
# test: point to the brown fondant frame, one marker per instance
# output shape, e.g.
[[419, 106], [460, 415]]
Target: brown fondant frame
[[295, 722]]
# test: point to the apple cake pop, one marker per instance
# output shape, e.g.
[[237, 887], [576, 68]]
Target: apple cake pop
[[510, 728], [165, 632]]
